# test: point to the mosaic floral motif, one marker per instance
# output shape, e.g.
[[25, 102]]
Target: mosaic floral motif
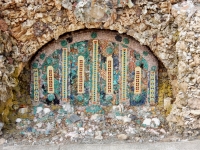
[[63, 43], [95, 72], [126, 41], [93, 35]]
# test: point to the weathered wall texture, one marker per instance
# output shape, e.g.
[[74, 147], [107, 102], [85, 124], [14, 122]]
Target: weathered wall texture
[[169, 28]]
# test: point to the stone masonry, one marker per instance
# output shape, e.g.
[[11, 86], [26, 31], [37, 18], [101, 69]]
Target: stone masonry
[[171, 29]]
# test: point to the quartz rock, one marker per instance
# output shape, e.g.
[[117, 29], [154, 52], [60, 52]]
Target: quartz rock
[[147, 122], [155, 122], [46, 110], [18, 120], [39, 109]]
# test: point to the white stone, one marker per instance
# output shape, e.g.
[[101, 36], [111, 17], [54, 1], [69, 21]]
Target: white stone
[[39, 125], [98, 135], [46, 110], [156, 121], [23, 110], [154, 132], [2, 141], [72, 134], [130, 4], [147, 122], [122, 137], [126, 119], [39, 109], [68, 108], [162, 131], [18, 120], [195, 112], [167, 103], [119, 117], [97, 117]]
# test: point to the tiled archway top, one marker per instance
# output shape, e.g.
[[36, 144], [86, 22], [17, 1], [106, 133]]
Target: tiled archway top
[[95, 67]]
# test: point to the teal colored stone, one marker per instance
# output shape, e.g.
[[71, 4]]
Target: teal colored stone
[[94, 109], [81, 49], [86, 97], [153, 68], [51, 97], [67, 121], [56, 66], [80, 98], [137, 56], [44, 92], [145, 53], [44, 77], [49, 60], [138, 98], [61, 111], [35, 65], [145, 64], [138, 63], [80, 124], [109, 50], [93, 35], [125, 46], [57, 86], [42, 56], [56, 53], [63, 43], [126, 41], [109, 98]]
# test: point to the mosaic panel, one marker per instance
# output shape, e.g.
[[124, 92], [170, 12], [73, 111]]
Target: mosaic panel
[[95, 68]]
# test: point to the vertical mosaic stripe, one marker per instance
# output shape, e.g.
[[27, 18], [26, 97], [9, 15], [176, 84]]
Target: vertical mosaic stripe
[[137, 81], [109, 75], [64, 74], [94, 74], [50, 79], [124, 74], [80, 74], [152, 87], [36, 84]]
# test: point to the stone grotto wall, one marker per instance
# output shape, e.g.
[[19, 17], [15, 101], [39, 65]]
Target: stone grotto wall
[[169, 28]]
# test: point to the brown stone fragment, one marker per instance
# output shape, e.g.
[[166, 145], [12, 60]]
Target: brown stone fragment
[[3, 25]]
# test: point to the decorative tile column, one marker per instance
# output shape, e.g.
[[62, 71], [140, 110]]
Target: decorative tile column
[[152, 87], [50, 79], [137, 80], [94, 73], [124, 74], [36, 84], [64, 74], [109, 75], [80, 74]]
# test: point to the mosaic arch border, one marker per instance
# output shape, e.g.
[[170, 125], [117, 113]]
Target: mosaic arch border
[[124, 41]]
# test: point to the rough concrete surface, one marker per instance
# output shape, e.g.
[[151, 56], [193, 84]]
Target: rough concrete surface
[[186, 145]]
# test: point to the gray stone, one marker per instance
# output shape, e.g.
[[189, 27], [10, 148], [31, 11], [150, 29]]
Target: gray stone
[[74, 118]]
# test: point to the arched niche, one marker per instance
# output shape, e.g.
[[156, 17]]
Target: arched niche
[[97, 67]]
